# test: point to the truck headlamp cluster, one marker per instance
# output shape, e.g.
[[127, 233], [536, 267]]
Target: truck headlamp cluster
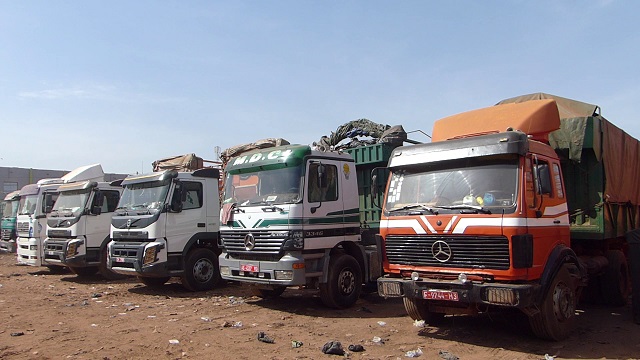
[[500, 296], [72, 248], [150, 255], [294, 240]]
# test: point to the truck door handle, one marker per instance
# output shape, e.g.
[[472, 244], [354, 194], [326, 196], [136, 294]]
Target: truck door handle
[[556, 221]]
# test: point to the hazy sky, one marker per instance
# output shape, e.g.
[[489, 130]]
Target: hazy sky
[[123, 83]]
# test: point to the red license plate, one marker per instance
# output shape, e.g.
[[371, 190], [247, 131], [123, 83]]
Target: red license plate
[[119, 259], [249, 268], [440, 295]]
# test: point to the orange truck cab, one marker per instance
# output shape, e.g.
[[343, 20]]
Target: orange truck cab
[[480, 219]]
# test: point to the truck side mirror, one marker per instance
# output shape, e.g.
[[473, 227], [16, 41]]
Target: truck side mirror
[[98, 201], [374, 185], [544, 178], [179, 195]]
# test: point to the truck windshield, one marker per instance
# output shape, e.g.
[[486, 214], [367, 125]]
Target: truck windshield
[[460, 186], [279, 186], [10, 208], [28, 205], [141, 196], [70, 203]]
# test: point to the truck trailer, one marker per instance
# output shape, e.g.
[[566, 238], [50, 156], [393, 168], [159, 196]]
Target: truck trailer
[[519, 205]]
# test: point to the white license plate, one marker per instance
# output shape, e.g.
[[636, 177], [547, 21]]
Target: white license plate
[[119, 259], [249, 268], [50, 252], [440, 295]]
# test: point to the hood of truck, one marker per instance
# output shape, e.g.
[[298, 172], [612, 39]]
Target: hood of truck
[[262, 217]]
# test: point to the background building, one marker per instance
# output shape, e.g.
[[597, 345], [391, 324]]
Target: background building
[[14, 178]]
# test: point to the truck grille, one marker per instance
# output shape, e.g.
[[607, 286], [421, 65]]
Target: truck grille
[[476, 252], [264, 243], [56, 246], [7, 234], [23, 227]]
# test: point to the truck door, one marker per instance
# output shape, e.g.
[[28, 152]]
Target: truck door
[[182, 225], [547, 213], [323, 226]]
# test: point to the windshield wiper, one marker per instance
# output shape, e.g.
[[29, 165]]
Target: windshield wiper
[[476, 209], [272, 208], [413, 206]]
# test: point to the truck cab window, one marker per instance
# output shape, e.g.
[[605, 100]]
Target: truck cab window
[[193, 195], [543, 185], [328, 190], [110, 201]]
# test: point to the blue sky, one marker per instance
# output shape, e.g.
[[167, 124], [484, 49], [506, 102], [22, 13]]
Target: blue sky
[[123, 83]]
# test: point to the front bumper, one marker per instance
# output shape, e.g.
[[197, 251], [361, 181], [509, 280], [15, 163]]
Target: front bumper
[[8, 246], [126, 258], [29, 251], [56, 251], [230, 269], [469, 292]]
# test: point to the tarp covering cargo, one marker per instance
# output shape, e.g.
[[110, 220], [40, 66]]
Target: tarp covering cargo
[[378, 133], [619, 151], [593, 144], [187, 162], [260, 144]]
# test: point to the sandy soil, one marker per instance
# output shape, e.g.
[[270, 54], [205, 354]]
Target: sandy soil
[[61, 316]]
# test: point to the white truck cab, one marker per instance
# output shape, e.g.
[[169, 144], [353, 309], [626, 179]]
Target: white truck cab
[[167, 224], [78, 227], [36, 201]]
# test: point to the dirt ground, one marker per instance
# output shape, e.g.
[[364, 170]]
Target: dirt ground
[[61, 316]]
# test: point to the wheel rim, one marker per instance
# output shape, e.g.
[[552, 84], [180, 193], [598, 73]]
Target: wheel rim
[[203, 270], [347, 281], [563, 302]]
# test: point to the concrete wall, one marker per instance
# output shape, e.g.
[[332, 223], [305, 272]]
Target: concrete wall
[[13, 178]]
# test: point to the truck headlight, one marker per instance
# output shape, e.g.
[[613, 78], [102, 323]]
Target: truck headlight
[[72, 249], [150, 255], [294, 240], [225, 270], [283, 275]]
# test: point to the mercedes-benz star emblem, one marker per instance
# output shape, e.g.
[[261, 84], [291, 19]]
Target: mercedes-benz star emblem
[[440, 250], [249, 241]]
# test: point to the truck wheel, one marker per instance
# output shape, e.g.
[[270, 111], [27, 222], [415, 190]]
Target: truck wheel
[[154, 282], [201, 270], [268, 293], [104, 270], [556, 318], [84, 271], [418, 309], [344, 282], [615, 280]]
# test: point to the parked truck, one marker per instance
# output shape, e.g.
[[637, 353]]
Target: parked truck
[[36, 201], [297, 216], [78, 227], [167, 225], [518, 205], [8, 232]]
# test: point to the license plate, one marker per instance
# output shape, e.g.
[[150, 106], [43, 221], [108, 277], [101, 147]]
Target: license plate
[[119, 259], [249, 268], [440, 295], [50, 252]]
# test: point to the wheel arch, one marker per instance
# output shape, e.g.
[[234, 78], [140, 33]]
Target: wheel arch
[[202, 240], [560, 256]]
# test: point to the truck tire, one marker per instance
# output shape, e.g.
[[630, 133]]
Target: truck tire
[[615, 280], [556, 318], [201, 271], [84, 271], [344, 282], [154, 282], [268, 293], [418, 309], [104, 270]]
